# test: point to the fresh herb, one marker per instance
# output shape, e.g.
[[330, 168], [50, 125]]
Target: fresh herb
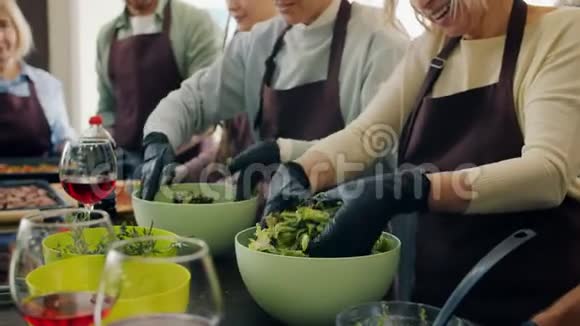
[[79, 245], [189, 197], [289, 233]]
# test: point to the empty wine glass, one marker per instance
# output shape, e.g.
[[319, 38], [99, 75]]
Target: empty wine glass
[[88, 170], [50, 280], [160, 280]]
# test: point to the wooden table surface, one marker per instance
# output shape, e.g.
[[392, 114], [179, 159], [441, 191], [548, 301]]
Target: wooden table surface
[[122, 190]]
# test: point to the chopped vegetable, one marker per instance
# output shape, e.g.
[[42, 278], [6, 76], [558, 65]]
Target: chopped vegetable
[[289, 233], [189, 197]]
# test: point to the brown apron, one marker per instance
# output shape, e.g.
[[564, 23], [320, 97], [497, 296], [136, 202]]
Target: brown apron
[[311, 111], [480, 126], [143, 71], [24, 130]]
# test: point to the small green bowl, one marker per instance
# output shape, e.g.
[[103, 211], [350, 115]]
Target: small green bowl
[[147, 289], [217, 224], [312, 291], [52, 244]]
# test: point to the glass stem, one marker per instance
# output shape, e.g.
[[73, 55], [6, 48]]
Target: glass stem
[[89, 209]]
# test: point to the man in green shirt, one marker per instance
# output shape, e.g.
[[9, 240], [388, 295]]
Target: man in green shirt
[[144, 54]]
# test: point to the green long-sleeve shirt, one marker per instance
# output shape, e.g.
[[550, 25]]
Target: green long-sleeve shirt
[[195, 39]]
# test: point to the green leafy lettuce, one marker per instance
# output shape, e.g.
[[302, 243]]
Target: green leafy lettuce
[[289, 233]]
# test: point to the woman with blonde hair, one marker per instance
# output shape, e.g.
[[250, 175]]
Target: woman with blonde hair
[[33, 116], [485, 111]]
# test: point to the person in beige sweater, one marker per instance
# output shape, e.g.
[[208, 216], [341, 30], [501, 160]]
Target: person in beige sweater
[[484, 113]]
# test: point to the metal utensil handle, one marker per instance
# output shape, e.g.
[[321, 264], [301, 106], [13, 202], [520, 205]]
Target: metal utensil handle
[[483, 266]]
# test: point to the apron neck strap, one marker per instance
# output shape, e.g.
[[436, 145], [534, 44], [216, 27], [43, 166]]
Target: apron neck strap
[[338, 40], [513, 41], [271, 60], [167, 19], [435, 69]]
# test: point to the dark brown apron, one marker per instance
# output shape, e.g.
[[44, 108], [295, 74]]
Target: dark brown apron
[[24, 130], [143, 71], [479, 127], [310, 111]]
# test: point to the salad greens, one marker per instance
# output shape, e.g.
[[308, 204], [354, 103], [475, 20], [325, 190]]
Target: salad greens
[[394, 319], [289, 233], [79, 245], [190, 197]]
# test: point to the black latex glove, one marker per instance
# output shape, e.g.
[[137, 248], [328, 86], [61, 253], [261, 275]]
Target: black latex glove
[[158, 154], [368, 205], [256, 163], [288, 188]]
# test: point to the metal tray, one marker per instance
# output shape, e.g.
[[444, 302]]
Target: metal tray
[[60, 202], [50, 177]]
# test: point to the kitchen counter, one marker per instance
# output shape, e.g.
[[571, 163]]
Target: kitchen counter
[[241, 310]]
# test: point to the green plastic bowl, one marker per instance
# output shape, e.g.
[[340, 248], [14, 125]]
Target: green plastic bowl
[[312, 291], [52, 244], [217, 224], [148, 288]]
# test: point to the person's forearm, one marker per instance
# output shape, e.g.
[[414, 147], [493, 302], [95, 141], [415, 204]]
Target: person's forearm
[[291, 149], [183, 113], [319, 170], [450, 192]]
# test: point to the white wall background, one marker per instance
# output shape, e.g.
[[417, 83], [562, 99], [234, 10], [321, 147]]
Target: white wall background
[[74, 25]]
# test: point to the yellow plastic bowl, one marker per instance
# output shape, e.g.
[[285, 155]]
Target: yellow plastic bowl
[[217, 224], [147, 289], [312, 291], [52, 244]]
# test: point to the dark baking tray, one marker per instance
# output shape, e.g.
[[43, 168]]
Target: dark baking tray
[[34, 161], [7, 239], [60, 202]]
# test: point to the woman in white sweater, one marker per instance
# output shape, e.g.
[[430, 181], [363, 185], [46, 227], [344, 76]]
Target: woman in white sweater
[[485, 108]]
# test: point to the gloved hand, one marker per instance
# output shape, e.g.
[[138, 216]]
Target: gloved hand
[[254, 164], [158, 154], [173, 173], [368, 205], [288, 188]]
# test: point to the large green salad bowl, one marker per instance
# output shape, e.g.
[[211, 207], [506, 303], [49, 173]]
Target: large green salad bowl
[[215, 223], [312, 291]]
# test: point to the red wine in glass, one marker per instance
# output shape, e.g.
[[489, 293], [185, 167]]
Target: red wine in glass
[[63, 309], [165, 319], [88, 191]]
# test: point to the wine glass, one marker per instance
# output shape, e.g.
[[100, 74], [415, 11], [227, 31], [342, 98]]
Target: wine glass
[[159, 280], [49, 278], [88, 170]]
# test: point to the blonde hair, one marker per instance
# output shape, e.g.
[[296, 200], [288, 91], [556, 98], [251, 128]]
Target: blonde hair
[[25, 42], [391, 6]]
